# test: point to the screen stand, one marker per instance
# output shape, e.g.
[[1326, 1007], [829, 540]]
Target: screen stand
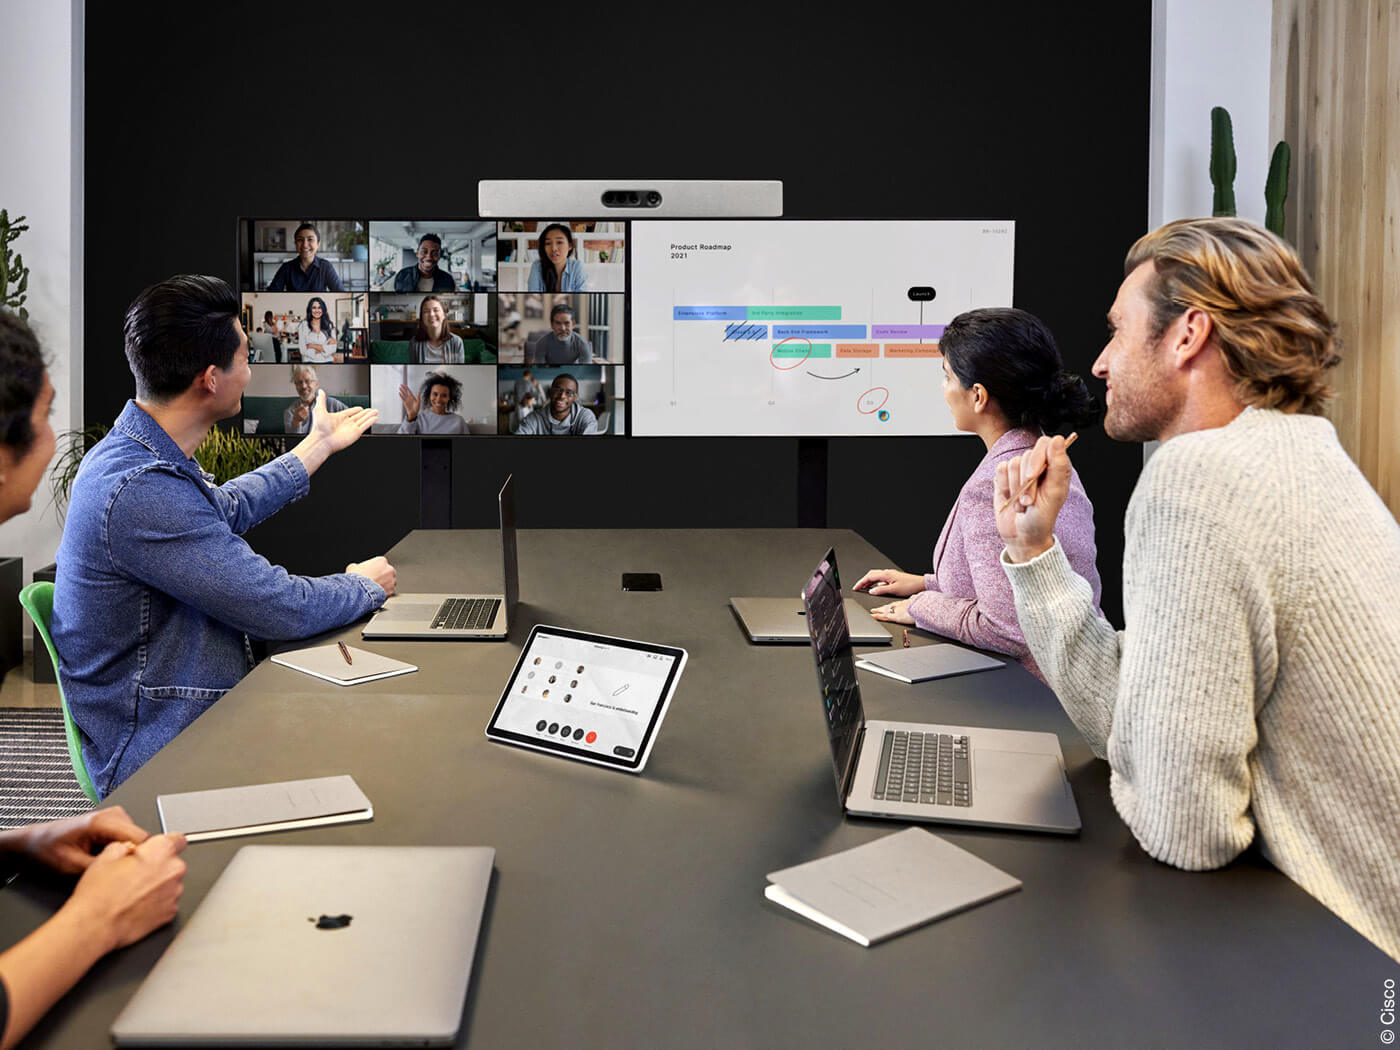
[[435, 484], [811, 483]]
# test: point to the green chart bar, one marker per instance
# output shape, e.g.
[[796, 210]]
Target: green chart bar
[[799, 349], [794, 313]]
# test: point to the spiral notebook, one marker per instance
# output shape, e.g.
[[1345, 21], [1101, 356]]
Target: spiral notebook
[[327, 662]]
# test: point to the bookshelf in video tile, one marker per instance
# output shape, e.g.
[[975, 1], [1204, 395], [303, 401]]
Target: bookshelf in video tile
[[445, 326]]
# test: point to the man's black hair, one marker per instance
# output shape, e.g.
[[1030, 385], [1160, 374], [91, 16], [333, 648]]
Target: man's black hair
[[176, 329], [21, 380], [306, 226]]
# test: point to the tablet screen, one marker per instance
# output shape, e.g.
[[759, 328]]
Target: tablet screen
[[587, 696]]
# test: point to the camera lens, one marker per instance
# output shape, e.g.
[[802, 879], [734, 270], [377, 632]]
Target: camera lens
[[653, 199]]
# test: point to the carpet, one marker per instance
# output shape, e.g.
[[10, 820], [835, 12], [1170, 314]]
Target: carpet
[[36, 778]]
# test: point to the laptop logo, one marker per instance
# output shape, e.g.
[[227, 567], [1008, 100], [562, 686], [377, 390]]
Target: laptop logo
[[331, 922]]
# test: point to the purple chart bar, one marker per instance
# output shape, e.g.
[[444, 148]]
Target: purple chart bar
[[907, 331]]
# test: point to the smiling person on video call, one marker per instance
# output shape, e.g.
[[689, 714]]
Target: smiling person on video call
[[433, 410], [1004, 381], [561, 345], [434, 342], [157, 592], [129, 879], [297, 419], [1250, 697], [562, 413], [306, 273], [316, 334], [557, 269], [426, 275]]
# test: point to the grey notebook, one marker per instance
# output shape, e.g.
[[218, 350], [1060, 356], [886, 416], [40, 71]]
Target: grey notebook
[[327, 662], [888, 886], [257, 808], [924, 662], [320, 946]]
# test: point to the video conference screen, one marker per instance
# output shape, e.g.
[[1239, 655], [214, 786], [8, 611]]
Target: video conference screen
[[447, 326], [566, 327]]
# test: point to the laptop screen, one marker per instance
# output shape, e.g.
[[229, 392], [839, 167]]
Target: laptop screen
[[836, 671], [511, 566]]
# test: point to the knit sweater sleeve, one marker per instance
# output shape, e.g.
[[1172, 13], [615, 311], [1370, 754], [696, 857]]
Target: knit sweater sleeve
[[1170, 701]]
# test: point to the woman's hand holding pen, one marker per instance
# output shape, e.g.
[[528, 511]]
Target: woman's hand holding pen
[[1028, 495]]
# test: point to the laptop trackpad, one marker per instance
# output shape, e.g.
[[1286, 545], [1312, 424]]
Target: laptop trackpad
[[1018, 773], [409, 610]]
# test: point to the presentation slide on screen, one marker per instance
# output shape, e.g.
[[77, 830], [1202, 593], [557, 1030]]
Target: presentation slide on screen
[[597, 697], [805, 328]]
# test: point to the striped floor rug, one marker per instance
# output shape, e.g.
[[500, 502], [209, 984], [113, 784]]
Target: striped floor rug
[[36, 779]]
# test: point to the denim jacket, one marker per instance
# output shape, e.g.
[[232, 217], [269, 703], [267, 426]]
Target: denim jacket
[[157, 592]]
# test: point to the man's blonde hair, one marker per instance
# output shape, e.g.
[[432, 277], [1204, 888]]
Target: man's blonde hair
[[1275, 337]]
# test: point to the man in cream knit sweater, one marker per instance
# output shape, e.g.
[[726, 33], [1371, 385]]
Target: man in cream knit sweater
[[1255, 691]]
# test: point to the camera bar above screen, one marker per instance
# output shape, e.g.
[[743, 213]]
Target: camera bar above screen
[[552, 327], [446, 327]]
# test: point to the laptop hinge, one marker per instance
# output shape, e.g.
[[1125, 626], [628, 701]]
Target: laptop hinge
[[848, 776]]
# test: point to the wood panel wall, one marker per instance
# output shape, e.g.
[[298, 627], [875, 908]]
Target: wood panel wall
[[1336, 100]]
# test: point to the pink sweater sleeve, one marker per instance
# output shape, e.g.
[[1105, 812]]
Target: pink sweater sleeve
[[987, 620]]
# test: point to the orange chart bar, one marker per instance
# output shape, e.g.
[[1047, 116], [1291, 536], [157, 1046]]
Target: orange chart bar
[[857, 349], [912, 350]]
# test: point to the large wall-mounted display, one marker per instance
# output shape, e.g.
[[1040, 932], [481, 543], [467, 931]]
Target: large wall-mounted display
[[798, 328], [449, 327]]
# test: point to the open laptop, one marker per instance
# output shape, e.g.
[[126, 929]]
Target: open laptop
[[429, 616], [783, 621], [320, 946], [914, 771]]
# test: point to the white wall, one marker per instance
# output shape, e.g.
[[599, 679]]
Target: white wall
[[37, 181], [1208, 53]]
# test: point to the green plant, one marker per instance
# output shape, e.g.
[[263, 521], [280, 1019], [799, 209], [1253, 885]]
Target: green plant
[[226, 454], [1276, 187], [223, 453], [1222, 172], [354, 233], [12, 268], [71, 447]]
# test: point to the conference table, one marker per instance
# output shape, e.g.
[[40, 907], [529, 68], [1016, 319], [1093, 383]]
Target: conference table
[[628, 911]]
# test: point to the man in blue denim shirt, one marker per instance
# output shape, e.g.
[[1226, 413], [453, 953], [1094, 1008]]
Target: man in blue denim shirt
[[157, 592]]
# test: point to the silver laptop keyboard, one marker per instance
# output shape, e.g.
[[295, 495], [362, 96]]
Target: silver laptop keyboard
[[465, 614], [929, 768]]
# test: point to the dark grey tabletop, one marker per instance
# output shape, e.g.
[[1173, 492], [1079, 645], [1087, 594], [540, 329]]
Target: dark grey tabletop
[[628, 911]]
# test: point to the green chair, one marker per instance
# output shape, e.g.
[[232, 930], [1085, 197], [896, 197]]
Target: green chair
[[37, 600]]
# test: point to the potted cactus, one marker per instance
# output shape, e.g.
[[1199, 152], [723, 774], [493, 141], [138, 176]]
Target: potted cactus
[[1222, 172]]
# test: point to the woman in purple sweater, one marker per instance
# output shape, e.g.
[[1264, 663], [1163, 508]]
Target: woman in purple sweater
[[1004, 381]]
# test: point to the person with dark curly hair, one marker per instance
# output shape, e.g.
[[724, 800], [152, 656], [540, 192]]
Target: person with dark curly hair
[[434, 409], [1004, 381]]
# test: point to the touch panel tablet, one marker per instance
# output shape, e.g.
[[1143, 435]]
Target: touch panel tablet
[[587, 696]]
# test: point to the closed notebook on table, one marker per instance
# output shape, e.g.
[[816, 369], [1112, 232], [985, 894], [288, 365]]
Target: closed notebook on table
[[328, 663], [255, 809], [925, 662], [883, 888]]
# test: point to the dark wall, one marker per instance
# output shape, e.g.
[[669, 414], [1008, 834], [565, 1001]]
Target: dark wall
[[1034, 112]]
